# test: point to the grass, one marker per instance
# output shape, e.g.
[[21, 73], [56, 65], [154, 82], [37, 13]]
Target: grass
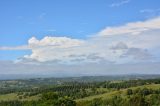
[[6, 97], [105, 95], [13, 96], [120, 92]]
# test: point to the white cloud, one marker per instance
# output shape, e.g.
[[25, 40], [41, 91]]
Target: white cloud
[[122, 2], [134, 28], [110, 44], [130, 43], [24, 47], [67, 50], [58, 42], [144, 34], [52, 48]]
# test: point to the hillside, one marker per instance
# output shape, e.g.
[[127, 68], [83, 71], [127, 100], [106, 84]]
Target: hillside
[[80, 93], [123, 94]]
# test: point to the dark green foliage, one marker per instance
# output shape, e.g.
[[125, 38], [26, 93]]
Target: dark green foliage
[[96, 102], [137, 100], [129, 92], [53, 99]]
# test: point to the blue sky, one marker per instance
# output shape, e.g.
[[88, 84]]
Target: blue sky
[[20, 20]]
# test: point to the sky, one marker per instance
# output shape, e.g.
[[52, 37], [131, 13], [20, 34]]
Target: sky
[[79, 37]]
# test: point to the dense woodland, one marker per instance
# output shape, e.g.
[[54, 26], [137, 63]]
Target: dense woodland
[[137, 92]]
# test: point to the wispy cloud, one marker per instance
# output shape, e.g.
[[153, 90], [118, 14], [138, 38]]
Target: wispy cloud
[[133, 28], [149, 10], [51, 30], [117, 4], [149, 13], [24, 47], [42, 15]]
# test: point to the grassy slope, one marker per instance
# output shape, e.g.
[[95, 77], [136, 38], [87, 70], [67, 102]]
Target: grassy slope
[[120, 92], [13, 96]]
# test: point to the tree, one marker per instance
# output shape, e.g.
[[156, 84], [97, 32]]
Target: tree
[[66, 101]]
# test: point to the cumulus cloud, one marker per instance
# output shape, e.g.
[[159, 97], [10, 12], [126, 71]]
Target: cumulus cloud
[[147, 39], [129, 48], [136, 40], [68, 50], [52, 48], [59, 42], [130, 43]]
